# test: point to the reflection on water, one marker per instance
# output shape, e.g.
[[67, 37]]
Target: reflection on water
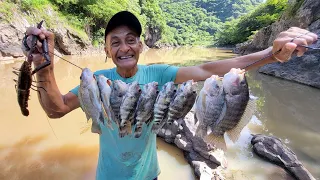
[[29, 149]]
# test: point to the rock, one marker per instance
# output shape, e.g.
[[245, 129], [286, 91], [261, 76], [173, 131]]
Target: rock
[[204, 157], [152, 35], [273, 150], [303, 69]]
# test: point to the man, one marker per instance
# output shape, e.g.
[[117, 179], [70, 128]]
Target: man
[[136, 158]]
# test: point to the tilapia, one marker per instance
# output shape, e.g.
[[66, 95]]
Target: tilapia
[[89, 97], [183, 101], [210, 105], [237, 96], [127, 108], [105, 93], [118, 90], [161, 106], [144, 110]]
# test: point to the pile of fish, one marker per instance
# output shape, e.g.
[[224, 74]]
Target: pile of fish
[[221, 103], [130, 106]]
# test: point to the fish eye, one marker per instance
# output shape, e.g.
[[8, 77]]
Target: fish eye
[[80, 77]]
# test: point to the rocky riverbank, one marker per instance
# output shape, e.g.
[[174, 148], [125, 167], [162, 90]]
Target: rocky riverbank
[[305, 69]]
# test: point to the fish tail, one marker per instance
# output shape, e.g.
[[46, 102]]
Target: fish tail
[[95, 128], [138, 130], [201, 131], [125, 129], [217, 141]]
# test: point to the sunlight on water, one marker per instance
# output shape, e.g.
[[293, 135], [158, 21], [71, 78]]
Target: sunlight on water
[[30, 150]]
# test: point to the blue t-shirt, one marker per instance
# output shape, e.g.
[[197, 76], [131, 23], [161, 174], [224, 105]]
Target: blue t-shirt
[[130, 158]]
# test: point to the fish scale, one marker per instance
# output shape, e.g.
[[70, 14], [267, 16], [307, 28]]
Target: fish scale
[[237, 96], [161, 106], [145, 106], [183, 101], [210, 104], [105, 92], [89, 98], [118, 90], [128, 107]]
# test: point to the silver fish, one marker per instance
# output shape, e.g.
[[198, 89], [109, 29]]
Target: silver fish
[[237, 96], [210, 105], [183, 101], [144, 111], [105, 93], [161, 107], [127, 108], [89, 98], [118, 90]]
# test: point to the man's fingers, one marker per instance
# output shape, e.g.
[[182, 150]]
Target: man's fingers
[[33, 31], [286, 52]]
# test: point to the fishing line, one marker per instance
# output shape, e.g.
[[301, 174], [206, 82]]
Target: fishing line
[[66, 60]]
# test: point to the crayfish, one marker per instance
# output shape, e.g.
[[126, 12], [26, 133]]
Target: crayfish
[[24, 82]]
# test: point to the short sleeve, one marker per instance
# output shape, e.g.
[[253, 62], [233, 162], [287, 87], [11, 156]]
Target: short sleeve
[[75, 90], [164, 73]]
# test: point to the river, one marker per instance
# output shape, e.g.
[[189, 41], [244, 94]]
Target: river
[[36, 147]]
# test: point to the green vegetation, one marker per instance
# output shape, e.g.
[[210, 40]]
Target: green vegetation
[[241, 29], [180, 23]]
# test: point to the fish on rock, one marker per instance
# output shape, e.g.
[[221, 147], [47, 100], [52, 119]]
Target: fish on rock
[[89, 97], [182, 102], [105, 93], [161, 106], [237, 97], [145, 106], [118, 90], [128, 107], [210, 105]]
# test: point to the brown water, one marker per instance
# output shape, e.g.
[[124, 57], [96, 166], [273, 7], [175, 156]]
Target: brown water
[[29, 149]]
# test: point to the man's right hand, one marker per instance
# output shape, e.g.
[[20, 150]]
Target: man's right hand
[[37, 57]]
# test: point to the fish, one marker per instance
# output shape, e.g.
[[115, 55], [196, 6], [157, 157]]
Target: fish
[[183, 102], [118, 90], [105, 93], [161, 106], [210, 105], [128, 107], [144, 111], [89, 97], [237, 97]]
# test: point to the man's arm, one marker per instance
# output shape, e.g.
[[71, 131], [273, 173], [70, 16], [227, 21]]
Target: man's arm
[[286, 43], [52, 101]]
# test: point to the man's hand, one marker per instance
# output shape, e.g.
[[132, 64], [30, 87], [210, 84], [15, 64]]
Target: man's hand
[[287, 42], [36, 57]]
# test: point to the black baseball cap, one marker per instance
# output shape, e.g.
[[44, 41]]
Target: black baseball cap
[[123, 18]]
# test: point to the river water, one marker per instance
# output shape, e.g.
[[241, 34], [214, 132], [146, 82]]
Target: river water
[[36, 147]]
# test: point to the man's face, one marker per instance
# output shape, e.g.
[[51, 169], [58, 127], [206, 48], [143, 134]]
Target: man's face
[[124, 47]]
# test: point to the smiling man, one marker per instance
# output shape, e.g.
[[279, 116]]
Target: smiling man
[[132, 158]]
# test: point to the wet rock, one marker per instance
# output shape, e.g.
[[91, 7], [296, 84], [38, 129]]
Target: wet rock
[[273, 150], [204, 157]]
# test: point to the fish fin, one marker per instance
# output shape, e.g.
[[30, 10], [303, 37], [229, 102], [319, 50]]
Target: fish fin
[[101, 117], [129, 128], [95, 128], [85, 128], [222, 114], [217, 141], [195, 118], [234, 133]]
